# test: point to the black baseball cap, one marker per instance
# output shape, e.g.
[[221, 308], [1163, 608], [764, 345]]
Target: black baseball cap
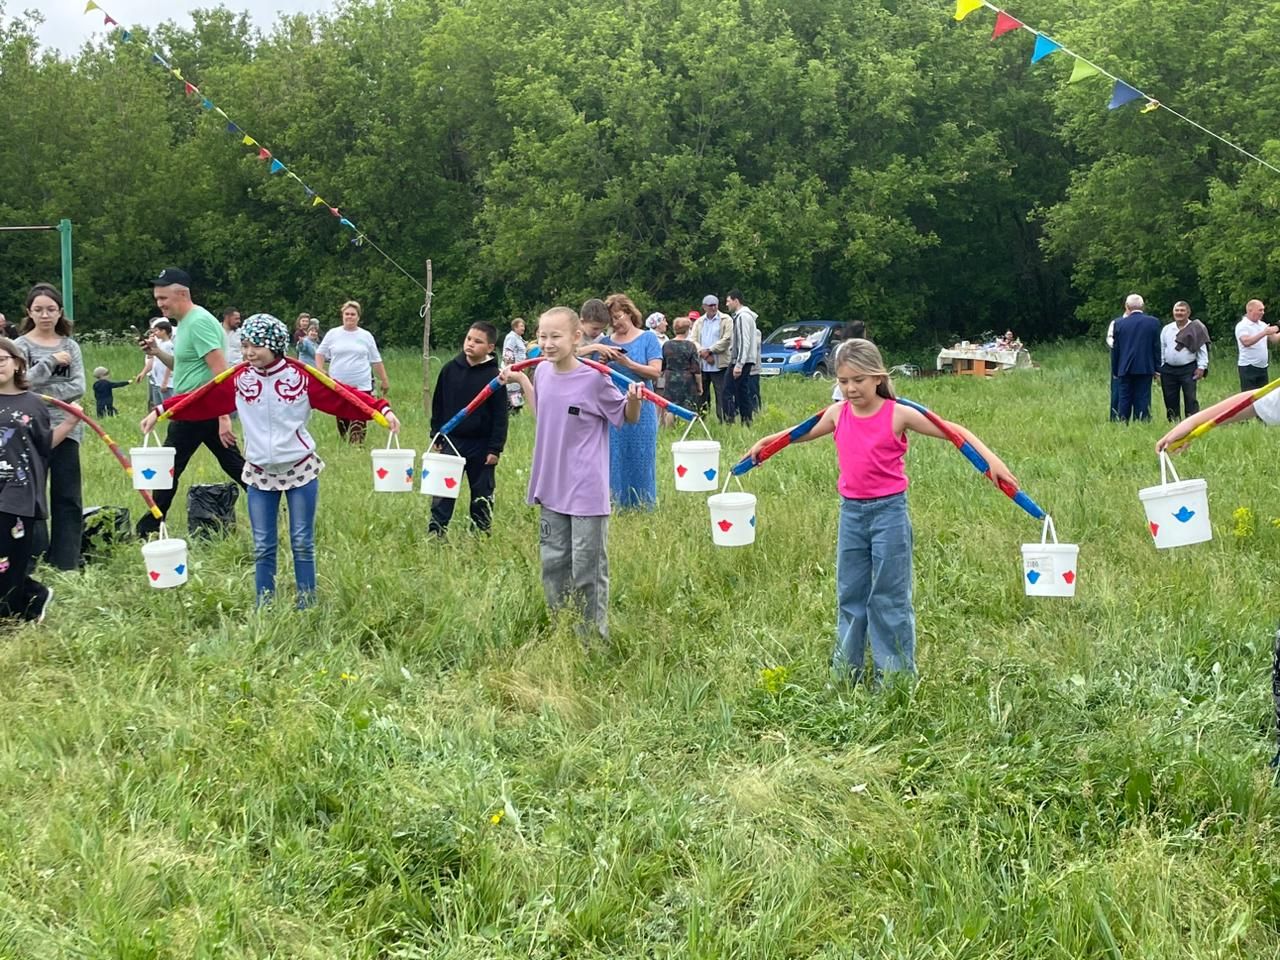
[[170, 276]]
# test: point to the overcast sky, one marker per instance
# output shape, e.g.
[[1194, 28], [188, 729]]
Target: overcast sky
[[67, 26]]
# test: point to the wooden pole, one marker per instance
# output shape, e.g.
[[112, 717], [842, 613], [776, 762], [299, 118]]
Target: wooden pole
[[426, 346]]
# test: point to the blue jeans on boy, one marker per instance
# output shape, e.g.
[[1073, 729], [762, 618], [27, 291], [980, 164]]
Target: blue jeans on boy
[[264, 508], [873, 587]]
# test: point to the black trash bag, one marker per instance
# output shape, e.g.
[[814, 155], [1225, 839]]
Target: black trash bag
[[211, 509], [103, 528]]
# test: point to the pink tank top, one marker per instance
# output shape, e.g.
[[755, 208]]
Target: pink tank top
[[870, 454]]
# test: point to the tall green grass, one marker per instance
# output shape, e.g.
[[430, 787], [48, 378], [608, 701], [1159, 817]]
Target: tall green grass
[[426, 766]]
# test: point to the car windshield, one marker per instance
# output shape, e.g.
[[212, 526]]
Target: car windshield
[[813, 333]]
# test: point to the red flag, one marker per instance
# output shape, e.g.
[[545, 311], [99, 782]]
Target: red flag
[[188, 88], [264, 154], [1004, 23], [107, 21], [334, 211]]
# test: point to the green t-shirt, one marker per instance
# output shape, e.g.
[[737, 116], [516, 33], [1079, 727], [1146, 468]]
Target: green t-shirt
[[194, 336]]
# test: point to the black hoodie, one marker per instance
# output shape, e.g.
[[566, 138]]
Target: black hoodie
[[457, 385]]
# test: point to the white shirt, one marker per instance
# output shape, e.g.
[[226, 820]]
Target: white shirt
[[159, 372], [350, 354], [710, 334], [232, 348], [1174, 355], [1255, 356], [1268, 408]]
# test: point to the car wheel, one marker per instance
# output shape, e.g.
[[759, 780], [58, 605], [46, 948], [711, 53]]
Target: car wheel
[[820, 372]]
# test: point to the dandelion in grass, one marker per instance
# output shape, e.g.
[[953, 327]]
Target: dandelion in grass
[[1275, 521], [348, 677], [1244, 523], [773, 679], [496, 818]]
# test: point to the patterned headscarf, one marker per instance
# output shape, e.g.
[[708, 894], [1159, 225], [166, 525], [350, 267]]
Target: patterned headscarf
[[264, 330], [653, 319]]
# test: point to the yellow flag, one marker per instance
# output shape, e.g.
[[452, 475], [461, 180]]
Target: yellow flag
[[966, 7], [176, 72], [1082, 71], [1151, 105], [318, 201], [248, 141], [91, 6]]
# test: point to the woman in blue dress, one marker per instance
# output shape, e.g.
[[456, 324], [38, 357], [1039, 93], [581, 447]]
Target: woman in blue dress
[[633, 448]]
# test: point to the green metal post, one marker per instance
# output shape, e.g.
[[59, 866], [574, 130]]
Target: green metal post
[[68, 291]]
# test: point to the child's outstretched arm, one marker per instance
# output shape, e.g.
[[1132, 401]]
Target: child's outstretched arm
[[507, 375], [824, 427], [914, 420], [1208, 414]]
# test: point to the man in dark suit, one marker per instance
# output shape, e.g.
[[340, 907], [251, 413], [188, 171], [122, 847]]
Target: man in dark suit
[[1135, 359]]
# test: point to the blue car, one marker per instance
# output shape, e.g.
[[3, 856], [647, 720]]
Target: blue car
[[802, 347]]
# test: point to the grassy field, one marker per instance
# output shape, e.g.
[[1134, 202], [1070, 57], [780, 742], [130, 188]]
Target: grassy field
[[425, 766]]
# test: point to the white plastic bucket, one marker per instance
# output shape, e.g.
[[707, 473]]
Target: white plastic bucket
[[393, 468], [696, 464], [441, 473], [151, 467], [733, 519], [1177, 512], [166, 561], [1049, 569]]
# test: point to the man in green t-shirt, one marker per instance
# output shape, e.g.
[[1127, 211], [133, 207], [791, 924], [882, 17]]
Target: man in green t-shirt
[[198, 357]]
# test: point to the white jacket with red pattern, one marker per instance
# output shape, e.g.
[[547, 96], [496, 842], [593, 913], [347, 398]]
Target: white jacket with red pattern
[[273, 405]]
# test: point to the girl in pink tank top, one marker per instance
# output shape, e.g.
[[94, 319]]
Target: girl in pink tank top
[[873, 546]]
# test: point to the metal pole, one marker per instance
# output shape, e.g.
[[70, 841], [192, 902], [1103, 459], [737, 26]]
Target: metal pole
[[68, 291]]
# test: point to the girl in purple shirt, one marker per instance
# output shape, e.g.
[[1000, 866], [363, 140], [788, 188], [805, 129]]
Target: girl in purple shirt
[[573, 406]]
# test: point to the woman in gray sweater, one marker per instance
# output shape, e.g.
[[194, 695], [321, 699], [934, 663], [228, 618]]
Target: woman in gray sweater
[[55, 368]]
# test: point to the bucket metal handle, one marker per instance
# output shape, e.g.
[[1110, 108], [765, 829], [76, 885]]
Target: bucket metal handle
[[1049, 530], [697, 419], [1167, 465], [445, 437], [732, 477]]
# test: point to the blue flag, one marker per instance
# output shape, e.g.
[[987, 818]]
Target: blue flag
[[1121, 94], [276, 166], [1044, 47]]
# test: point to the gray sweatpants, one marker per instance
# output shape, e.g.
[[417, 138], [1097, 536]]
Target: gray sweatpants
[[575, 565]]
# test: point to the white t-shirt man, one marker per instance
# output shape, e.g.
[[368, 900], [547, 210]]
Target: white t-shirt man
[[160, 374], [350, 355], [1256, 355], [232, 349]]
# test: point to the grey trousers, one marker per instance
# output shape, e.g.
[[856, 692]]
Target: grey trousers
[[575, 565]]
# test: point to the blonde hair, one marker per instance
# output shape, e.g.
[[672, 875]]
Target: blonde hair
[[354, 304], [864, 357], [566, 313], [620, 301]]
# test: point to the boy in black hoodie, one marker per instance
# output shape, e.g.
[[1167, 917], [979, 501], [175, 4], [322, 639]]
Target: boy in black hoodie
[[481, 436]]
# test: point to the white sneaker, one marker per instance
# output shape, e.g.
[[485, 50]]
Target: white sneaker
[[44, 607]]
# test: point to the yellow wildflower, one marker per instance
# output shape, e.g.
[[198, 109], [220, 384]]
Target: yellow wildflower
[[496, 818], [1244, 523], [773, 679]]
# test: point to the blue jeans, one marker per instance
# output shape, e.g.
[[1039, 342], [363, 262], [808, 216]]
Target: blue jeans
[[264, 507], [873, 587]]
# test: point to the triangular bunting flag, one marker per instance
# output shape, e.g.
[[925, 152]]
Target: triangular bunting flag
[[1083, 70], [1004, 23], [1121, 94], [318, 202], [248, 141], [1151, 105], [107, 21], [264, 153], [219, 111], [91, 6], [126, 36], [310, 192], [187, 88], [206, 103], [156, 58], [347, 223], [232, 128], [276, 166], [1044, 47], [966, 7], [176, 72], [334, 211]]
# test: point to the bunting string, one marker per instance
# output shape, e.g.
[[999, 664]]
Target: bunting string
[[1122, 92], [274, 165]]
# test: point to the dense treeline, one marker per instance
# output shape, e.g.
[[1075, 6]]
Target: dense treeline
[[832, 158]]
